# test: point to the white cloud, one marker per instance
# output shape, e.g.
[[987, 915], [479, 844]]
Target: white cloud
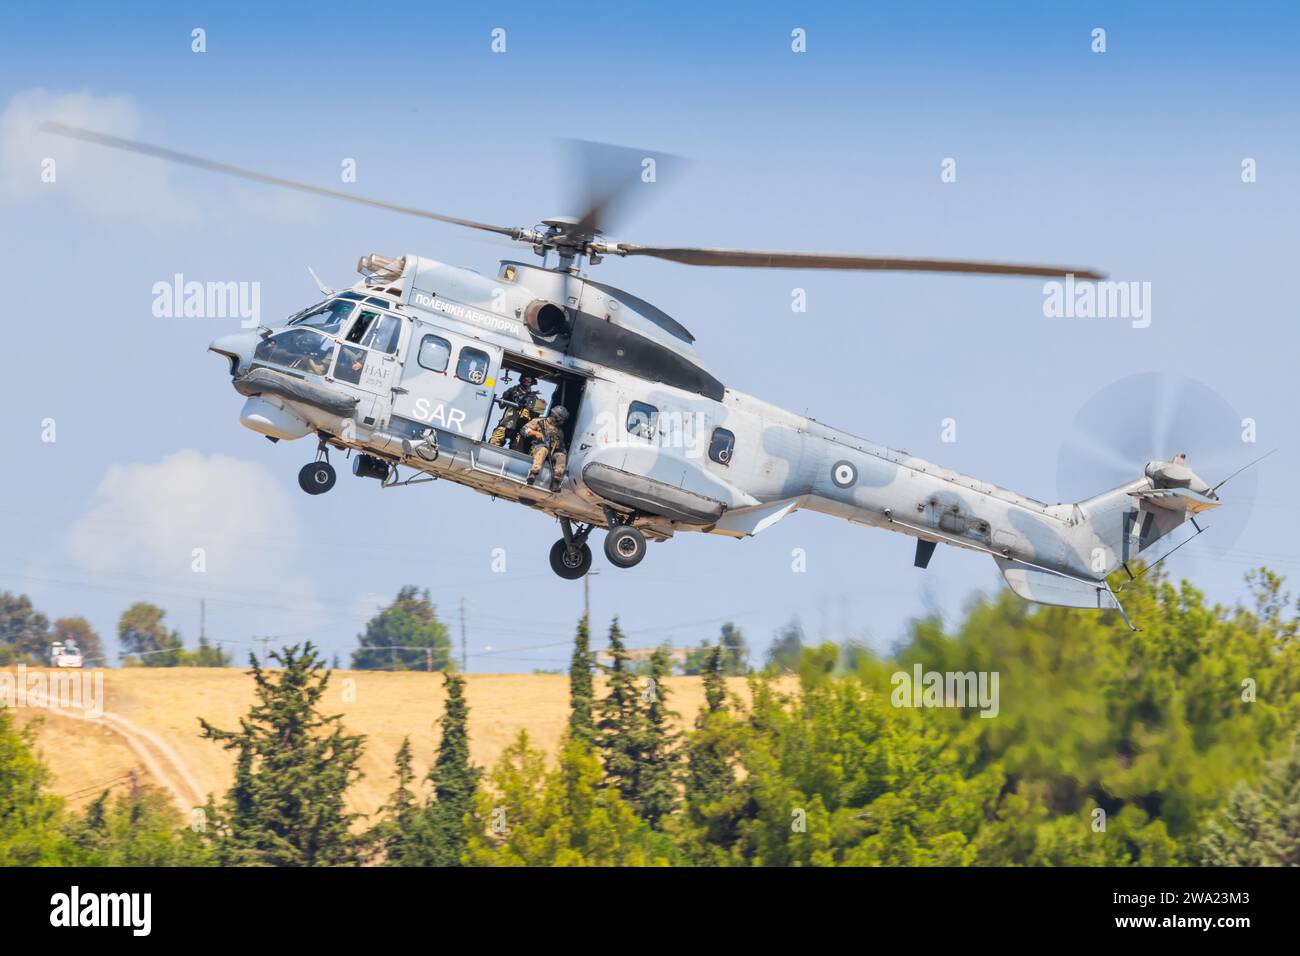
[[201, 525], [101, 180]]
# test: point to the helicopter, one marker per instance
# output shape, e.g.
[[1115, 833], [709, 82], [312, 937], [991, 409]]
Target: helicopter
[[405, 370]]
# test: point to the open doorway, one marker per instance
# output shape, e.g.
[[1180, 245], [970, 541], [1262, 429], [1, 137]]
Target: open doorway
[[554, 386]]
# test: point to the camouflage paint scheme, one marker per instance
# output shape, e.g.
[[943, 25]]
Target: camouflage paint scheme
[[781, 462]]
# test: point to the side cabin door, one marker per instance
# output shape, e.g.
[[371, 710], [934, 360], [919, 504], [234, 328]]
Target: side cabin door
[[367, 359], [447, 382]]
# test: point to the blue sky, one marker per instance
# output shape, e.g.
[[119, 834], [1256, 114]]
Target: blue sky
[[1128, 161]]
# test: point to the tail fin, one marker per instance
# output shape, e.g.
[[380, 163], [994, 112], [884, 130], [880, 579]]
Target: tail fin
[[1124, 522]]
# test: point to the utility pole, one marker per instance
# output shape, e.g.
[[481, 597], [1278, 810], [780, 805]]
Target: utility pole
[[586, 595], [203, 620], [464, 654], [265, 641]]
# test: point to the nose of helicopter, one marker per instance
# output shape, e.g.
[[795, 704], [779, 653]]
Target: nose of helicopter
[[237, 347]]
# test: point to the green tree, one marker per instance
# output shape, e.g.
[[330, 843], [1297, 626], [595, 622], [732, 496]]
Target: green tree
[[397, 838], [618, 729], [708, 775], [30, 818], [293, 768], [659, 759], [1260, 826], [206, 655], [735, 653], [566, 817], [405, 635], [787, 647], [145, 637], [140, 827], [582, 693], [24, 631], [708, 829], [450, 815]]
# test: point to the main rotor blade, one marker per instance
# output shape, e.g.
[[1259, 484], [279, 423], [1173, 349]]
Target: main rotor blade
[[606, 178], [171, 155], [816, 260]]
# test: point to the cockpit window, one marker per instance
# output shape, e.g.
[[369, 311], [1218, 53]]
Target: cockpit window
[[382, 334], [361, 326], [303, 349], [329, 317]]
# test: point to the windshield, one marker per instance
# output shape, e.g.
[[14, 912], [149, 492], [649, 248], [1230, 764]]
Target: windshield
[[329, 316], [303, 349]]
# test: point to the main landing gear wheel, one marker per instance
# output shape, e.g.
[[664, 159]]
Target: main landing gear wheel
[[624, 546], [568, 562], [317, 478]]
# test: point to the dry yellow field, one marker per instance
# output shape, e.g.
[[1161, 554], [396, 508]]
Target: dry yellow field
[[150, 725]]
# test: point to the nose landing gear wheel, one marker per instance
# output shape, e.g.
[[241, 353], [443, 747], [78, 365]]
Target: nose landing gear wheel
[[317, 478], [624, 546], [570, 563]]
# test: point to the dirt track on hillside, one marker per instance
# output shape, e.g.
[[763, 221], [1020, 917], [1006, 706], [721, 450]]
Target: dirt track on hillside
[[150, 725]]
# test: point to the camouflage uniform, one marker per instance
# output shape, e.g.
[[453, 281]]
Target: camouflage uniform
[[514, 419], [548, 439]]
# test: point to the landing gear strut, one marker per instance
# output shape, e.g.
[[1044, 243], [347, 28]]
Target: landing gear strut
[[570, 556], [318, 477]]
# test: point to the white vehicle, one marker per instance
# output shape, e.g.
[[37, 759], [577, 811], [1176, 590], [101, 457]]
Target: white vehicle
[[65, 655]]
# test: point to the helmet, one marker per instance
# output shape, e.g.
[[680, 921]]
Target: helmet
[[560, 414], [526, 379]]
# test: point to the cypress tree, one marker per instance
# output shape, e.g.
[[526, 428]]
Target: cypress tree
[[708, 775], [581, 690], [294, 766], [1260, 826], [450, 814], [715, 688], [395, 836], [617, 731], [656, 786]]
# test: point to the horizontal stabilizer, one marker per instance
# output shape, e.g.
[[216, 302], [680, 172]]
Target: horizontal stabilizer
[[1175, 499], [741, 522], [1048, 587]]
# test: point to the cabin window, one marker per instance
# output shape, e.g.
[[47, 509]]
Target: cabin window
[[329, 317], [435, 353], [473, 366], [642, 419], [720, 446], [383, 333]]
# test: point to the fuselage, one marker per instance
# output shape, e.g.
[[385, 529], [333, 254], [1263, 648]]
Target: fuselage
[[655, 438]]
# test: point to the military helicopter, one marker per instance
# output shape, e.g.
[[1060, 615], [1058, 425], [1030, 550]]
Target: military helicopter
[[403, 371]]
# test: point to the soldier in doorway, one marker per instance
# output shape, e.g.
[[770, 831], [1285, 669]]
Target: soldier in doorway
[[547, 435], [518, 404]]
